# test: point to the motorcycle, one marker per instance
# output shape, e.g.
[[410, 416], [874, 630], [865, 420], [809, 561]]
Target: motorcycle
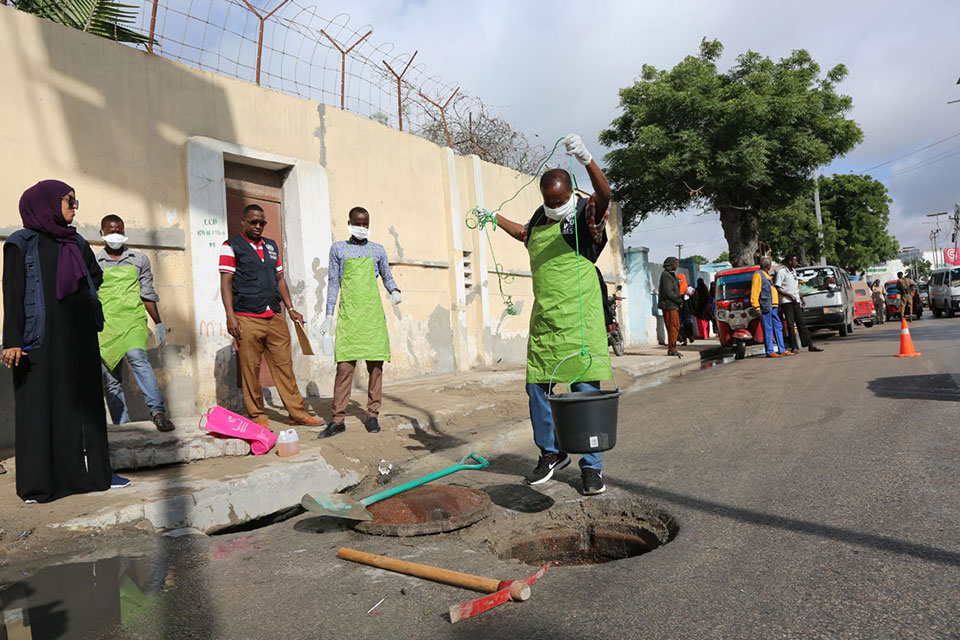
[[614, 335]]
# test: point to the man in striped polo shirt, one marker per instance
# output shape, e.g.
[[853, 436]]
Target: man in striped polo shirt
[[252, 287]]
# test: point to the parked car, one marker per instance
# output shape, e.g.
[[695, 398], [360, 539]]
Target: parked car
[[924, 289], [945, 291], [828, 298], [863, 310]]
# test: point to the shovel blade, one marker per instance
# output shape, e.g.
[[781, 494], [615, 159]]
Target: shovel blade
[[335, 507]]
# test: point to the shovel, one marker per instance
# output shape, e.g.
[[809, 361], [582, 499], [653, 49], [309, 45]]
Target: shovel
[[339, 506]]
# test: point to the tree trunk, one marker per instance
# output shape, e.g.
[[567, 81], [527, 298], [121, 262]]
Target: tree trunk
[[740, 230]]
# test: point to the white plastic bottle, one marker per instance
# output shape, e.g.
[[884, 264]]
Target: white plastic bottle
[[288, 443]]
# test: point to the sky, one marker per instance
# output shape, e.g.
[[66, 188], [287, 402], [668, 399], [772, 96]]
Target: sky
[[552, 68]]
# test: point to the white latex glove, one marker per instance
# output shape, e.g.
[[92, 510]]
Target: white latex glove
[[577, 149], [161, 335], [325, 327], [395, 297]]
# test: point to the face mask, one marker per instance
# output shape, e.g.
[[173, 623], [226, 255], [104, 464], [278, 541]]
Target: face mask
[[115, 240], [563, 211], [360, 233]]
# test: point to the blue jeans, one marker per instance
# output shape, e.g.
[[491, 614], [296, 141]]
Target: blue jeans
[[542, 421], [143, 374], [772, 328]]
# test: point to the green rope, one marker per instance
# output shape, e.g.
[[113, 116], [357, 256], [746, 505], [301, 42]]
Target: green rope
[[576, 243], [478, 218]]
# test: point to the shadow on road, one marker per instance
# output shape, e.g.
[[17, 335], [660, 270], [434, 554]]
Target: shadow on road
[[937, 386]]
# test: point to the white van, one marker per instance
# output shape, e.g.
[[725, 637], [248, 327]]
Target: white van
[[945, 291]]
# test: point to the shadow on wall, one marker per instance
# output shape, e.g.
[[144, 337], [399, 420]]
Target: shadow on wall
[[101, 113]]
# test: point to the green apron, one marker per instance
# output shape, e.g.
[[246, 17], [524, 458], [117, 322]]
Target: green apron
[[361, 324], [555, 320], [125, 317]]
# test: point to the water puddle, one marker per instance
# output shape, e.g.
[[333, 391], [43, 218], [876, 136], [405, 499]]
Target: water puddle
[[77, 599]]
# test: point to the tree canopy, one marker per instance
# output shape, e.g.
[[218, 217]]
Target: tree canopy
[[105, 18], [855, 210], [739, 142]]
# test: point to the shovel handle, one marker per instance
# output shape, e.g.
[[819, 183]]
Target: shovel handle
[[377, 497], [457, 579]]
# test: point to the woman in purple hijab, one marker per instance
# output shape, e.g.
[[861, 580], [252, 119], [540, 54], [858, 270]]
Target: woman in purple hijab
[[50, 324]]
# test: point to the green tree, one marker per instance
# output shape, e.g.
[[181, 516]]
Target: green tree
[[855, 210], [700, 259], [739, 142], [723, 257], [105, 18]]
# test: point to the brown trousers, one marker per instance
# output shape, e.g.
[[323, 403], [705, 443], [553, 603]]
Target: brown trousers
[[671, 318], [344, 382], [268, 337]]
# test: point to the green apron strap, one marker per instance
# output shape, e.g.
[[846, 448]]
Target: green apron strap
[[125, 317], [361, 323]]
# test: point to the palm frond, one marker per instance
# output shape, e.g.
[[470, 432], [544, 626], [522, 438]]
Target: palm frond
[[104, 18]]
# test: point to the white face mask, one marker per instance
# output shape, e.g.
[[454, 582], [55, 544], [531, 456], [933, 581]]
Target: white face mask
[[563, 211], [115, 240], [360, 233]]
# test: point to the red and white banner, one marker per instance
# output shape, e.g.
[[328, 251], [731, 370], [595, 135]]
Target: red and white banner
[[951, 256]]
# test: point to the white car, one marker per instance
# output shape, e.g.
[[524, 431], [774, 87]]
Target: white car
[[944, 291]]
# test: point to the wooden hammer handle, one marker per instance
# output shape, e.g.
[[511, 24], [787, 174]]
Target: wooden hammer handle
[[476, 583]]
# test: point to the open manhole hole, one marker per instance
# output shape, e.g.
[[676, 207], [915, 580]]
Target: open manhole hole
[[590, 532]]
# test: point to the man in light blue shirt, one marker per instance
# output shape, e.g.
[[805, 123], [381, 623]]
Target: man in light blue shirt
[[355, 265]]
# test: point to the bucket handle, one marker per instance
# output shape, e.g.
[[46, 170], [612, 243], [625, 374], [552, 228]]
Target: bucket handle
[[580, 353], [203, 419]]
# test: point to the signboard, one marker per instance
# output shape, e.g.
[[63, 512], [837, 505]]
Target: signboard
[[951, 256]]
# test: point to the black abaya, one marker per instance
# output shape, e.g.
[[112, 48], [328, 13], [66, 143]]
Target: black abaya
[[61, 427]]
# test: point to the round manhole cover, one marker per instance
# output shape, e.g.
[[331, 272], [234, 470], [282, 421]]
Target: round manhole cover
[[426, 510]]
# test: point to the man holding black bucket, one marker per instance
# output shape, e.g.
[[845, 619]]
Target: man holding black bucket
[[564, 238]]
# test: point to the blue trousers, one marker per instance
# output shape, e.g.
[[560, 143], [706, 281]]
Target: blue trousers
[[542, 420], [143, 374], [772, 328]]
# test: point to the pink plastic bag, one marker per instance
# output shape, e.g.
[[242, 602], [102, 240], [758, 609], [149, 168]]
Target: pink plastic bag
[[228, 423]]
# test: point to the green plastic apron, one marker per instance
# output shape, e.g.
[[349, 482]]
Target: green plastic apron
[[125, 317], [555, 320], [361, 324]]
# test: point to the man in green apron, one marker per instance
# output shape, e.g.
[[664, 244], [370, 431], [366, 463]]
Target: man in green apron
[[564, 238], [354, 267], [127, 296]]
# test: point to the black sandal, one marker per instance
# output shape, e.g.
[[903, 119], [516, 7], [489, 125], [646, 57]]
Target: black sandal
[[163, 424]]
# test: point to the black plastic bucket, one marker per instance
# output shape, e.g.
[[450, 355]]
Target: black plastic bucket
[[585, 421]]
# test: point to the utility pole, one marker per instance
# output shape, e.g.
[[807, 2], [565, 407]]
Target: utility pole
[[679, 247], [934, 236], [816, 207]]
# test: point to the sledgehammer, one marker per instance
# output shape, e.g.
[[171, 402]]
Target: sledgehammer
[[515, 590]]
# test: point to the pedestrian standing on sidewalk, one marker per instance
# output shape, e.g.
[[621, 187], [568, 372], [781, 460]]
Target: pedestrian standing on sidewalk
[[879, 303], [564, 319], [713, 307], [701, 308], [362, 334], [791, 305], [669, 301], [252, 288], [128, 296], [764, 300], [51, 317], [686, 317]]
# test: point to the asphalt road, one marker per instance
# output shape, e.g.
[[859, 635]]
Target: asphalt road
[[817, 497]]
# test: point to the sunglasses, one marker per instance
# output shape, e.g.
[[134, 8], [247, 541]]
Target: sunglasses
[[72, 202], [257, 223]]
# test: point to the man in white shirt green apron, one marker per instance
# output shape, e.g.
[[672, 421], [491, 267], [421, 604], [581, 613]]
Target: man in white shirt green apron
[[560, 229], [354, 267]]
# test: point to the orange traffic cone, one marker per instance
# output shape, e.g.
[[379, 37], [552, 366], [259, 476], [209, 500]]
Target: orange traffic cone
[[906, 342]]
